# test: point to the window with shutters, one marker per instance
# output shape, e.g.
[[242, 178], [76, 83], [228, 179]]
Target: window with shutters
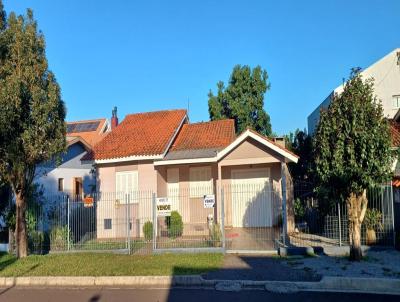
[[126, 186], [201, 182]]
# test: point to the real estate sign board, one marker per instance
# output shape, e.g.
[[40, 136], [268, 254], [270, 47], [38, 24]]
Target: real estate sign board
[[163, 207], [209, 201]]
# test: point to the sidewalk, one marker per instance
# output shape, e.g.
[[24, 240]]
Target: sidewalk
[[271, 273], [259, 268]]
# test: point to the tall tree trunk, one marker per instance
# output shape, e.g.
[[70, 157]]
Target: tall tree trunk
[[356, 208], [20, 226]]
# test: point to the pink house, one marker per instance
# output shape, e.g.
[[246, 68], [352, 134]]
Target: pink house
[[162, 153]]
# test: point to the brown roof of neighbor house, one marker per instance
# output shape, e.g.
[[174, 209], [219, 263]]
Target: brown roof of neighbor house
[[395, 133], [92, 131], [139, 134], [205, 135]]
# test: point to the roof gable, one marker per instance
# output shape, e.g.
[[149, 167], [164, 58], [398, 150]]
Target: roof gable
[[288, 155]]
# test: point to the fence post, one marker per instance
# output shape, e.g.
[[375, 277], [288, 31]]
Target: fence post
[[223, 218], [68, 224], [340, 226], [154, 221], [128, 223], [284, 217], [392, 214]]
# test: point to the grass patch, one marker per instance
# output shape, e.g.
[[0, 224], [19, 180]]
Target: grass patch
[[99, 264], [96, 245]]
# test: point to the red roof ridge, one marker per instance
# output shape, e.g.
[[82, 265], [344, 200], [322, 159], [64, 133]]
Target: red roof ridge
[[87, 121], [214, 121], [156, 111]]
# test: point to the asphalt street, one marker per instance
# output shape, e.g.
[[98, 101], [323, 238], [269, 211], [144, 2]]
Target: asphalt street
[[18, 294]]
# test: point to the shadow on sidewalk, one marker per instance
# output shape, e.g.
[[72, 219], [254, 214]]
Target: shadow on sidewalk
[[259, 268]]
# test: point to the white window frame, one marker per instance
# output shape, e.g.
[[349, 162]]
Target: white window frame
[[200, 181], [396, 101], [121, 195]]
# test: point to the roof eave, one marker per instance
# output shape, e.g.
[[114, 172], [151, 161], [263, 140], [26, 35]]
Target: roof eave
[[128, 158]]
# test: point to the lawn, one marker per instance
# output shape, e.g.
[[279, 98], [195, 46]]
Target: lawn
[[99, 264]]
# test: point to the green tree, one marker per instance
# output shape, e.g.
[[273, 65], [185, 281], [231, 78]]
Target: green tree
[[242, 100], [352, 151], [32, 127], [300, 143], [2, 16]]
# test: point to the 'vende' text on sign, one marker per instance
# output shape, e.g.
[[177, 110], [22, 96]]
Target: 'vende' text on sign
[[209, 201], [163, 207]]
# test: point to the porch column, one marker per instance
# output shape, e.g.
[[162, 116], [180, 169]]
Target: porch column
[[284, 212], [218, 193], [221, 207]]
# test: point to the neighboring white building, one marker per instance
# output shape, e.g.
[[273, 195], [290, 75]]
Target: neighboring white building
[[71, 176], [386, 73]]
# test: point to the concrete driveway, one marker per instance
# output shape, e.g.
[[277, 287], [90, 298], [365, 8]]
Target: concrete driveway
[[246, 239]]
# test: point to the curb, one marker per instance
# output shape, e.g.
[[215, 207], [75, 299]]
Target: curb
[[327, 284]]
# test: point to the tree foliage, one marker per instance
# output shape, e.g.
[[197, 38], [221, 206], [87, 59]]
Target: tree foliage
[[2, 16], [32, 127], [352, 141], [242, 100], [300, 143], [352, 151]]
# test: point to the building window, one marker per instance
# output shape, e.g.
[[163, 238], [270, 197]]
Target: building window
[[108, 224], [127, 186], [61, 184], [77, 188], [200, 182], [396, 101]]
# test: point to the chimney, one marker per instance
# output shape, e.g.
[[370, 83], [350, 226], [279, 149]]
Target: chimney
[[114, 119], [280, 141]]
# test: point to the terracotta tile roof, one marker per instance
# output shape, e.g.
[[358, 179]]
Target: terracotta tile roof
[[206, 135], [395, 133], [91, 137], [139, 134]]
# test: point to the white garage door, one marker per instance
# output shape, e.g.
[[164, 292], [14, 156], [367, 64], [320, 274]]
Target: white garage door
[[251, 198]]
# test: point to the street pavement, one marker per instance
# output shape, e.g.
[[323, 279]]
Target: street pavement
[[18, 294]]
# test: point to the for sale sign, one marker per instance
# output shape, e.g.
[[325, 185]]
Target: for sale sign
[[163, 207], [209, 201]]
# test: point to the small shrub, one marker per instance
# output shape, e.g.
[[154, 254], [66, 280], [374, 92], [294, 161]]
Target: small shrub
[[35, 242], [59, 238], [215, 235], [148, 230], [373, 220], [175, 225]]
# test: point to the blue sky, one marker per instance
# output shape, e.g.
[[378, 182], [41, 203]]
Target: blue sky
[[151, 55]]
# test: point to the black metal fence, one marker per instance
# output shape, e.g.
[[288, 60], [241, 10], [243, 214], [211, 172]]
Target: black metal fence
[[319, 224]]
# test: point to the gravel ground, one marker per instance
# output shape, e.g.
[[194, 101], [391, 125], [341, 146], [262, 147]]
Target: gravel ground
[[378, 264]]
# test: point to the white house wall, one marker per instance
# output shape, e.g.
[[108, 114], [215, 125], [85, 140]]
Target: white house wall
[[386, 73], [70, 168]]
